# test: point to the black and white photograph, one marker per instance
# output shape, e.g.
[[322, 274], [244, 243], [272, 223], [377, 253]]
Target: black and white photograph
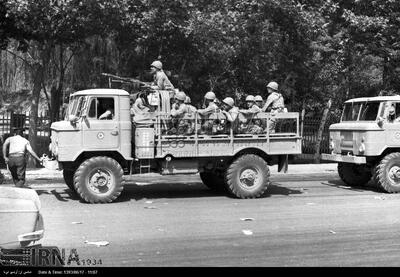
[[198, 134]]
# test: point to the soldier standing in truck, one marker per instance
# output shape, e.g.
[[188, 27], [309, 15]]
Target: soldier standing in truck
[[161, 80], [274, 104]]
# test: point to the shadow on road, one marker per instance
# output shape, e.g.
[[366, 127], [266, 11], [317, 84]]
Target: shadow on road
[[63, 196], [341, 185], [189, 190]]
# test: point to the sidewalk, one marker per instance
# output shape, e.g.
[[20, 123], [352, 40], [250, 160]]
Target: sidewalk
[[44, 173]]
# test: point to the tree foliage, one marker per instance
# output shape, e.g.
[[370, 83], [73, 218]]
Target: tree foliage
[[316, 50]]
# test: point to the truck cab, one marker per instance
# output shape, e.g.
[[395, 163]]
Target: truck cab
[[366, 142], [98, 143]]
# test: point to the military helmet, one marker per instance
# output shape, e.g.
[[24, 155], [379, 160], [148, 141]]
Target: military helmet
[[250, 98], [258, 98], [210, 95], [180, 95], [156, 64], [229, 101], [273, 85], [188, 100]]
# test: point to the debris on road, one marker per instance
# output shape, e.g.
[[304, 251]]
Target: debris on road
[[76, 222], [149, 202], [332, 232], [247, 232], [379, 197], [150, 207], [98, 243], [344, 187], [246, 219]]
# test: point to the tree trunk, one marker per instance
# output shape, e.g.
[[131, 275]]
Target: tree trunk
[[38, 72], [317, 155], [33, 115]]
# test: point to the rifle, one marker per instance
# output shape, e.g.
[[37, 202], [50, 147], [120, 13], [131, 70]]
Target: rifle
[[115, 78]]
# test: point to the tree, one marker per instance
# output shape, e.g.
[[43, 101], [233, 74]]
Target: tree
[[41, 26]]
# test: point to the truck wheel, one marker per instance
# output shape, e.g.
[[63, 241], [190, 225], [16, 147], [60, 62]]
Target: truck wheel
[[247, 176], [354, 174], [99, 180], [69, 179], [388, 173], [213, 181]]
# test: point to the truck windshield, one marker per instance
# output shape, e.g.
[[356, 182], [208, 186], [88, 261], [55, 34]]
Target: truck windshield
[[362, 111], [76, 106]]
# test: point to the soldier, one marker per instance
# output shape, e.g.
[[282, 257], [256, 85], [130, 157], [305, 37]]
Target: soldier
[[274, 104], [141, 111], [191, 111], [252, 126], [17, 147], [210, 108], [161, 80], [178, 111], [231, 113], [259, 101], [188, 102]]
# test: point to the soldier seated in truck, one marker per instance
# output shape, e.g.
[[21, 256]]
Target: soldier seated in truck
[[210, 107], [231, 113], [249, 124], [178, 111]]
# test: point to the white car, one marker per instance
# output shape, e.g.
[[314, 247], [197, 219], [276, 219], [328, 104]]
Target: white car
[[21, 222]]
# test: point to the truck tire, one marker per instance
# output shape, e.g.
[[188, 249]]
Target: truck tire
[[354, 174], [247, 176], [99, 180], [69, 179], [213, 181], [388, 173]]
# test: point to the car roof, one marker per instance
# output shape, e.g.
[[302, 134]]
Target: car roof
[[101, 91], [376, 98]]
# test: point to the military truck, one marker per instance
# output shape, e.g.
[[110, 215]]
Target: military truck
[[96, 154], [366, 142]]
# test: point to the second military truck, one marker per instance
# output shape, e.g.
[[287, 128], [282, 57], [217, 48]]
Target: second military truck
[[366, 142], [95, 154]]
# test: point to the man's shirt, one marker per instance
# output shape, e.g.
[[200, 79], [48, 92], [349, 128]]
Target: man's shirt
[[17, 144]]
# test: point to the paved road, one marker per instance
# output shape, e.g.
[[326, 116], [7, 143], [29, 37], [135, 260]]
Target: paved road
[[304, 220]]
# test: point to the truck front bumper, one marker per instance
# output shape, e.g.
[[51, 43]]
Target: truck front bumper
[[344, 158]]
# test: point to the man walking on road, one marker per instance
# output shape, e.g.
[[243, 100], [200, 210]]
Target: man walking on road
[[17, 147]]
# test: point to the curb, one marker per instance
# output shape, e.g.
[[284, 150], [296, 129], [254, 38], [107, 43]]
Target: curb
[[328, 168]]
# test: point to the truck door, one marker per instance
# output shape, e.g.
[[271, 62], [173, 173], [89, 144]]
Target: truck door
[[101, 128]]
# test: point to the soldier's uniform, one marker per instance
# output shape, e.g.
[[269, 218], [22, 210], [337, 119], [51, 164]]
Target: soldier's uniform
[[251, 126], [191, 125], [207, 122], [180, 125], [161, 81], [275, 103], [232, 116]]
